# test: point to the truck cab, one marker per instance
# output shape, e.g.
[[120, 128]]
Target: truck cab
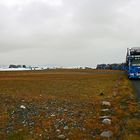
[[133, 63]]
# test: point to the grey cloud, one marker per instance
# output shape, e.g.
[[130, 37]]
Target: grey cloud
[[81, 32]]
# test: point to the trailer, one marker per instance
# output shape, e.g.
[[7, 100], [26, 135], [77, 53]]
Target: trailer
[[133, 62]]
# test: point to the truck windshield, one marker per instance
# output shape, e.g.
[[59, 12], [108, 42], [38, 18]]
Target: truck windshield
[[135, 61]]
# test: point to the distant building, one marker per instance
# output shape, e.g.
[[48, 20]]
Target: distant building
[[17, 66]]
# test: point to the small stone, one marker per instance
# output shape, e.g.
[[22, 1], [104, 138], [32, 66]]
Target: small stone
[[106, 103], [31, 132], [83, 129], [58, 131], [65, 110], [52, 115], [62, 137], [66, 128], [40, 135], [105, 110], [22, 107], [104, 117], [106, 134], [106, 121], [12, 112]]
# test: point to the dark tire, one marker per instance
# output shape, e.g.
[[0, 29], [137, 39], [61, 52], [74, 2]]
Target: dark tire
[[130, 78]]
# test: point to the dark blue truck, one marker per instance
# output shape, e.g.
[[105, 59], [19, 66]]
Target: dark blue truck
[[133, 62]]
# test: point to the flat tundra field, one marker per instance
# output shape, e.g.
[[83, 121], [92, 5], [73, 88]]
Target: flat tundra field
[[68, 105]]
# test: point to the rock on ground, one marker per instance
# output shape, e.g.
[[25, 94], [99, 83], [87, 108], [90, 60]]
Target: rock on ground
[[107, 134]]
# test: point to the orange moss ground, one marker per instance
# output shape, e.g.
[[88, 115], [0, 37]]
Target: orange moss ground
[[56, 99]]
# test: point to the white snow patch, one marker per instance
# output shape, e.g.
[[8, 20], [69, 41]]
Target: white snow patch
[[14, 69]]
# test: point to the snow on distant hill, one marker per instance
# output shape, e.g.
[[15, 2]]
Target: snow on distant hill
[[14, 69]]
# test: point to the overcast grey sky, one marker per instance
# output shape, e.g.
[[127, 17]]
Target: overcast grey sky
[[68, 32]]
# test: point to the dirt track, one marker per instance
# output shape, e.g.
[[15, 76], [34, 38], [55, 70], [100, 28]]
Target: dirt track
[[136, 84]]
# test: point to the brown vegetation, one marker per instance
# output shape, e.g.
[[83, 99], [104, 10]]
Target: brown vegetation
[[68, 103]]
